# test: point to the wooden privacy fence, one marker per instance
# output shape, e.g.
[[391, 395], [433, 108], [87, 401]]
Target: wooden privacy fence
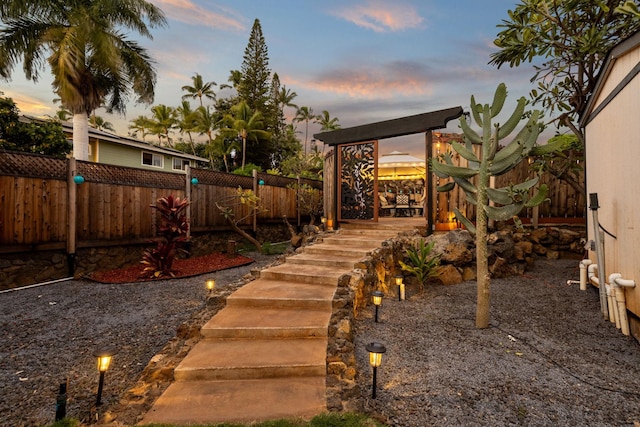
[[564, 203], [42, 207]]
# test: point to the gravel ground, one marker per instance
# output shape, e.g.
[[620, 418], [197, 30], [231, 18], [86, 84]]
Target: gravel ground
[[548, 358], [49, 334]]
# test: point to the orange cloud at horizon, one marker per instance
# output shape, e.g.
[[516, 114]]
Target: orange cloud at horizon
[[188, 12], [29, 105], [380, 16]]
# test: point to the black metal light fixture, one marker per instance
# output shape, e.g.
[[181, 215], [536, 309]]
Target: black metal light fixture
[[376, 296], [104, 360], [400, 285], [375, 350]]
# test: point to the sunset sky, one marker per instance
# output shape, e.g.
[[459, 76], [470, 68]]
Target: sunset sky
[[362, 60]]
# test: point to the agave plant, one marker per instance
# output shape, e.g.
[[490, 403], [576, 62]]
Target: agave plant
[[173, 229]]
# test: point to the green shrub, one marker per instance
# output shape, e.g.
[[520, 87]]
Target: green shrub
[[422, 264]]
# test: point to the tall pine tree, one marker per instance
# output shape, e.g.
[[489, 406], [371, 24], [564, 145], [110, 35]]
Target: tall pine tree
[[256, 75]]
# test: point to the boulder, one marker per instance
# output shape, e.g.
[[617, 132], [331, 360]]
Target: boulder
[[449, 275]]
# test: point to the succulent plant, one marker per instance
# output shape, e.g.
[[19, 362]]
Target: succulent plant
[[493, 161]]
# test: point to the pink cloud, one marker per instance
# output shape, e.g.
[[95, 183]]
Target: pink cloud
[[373, 83], [188, 12], [381, 16]]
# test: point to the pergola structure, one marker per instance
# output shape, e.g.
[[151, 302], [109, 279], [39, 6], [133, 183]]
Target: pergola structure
[[351, 190]]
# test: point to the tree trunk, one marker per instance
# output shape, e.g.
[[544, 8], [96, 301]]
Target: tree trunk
[[482, 256], [81, 136], [244, 234], [482, 260]]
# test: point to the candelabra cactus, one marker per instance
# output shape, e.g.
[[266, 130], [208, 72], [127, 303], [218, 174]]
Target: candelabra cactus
[[507, 201]]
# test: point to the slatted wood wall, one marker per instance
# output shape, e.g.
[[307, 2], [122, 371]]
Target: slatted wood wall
[[113, 204]]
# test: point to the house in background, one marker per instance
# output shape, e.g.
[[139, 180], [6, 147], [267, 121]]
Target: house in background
[[112, 149], [612, 149]]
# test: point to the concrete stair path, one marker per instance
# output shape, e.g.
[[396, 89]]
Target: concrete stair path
[[263, 356]]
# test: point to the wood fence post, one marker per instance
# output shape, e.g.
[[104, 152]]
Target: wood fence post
[[255, 191], [298, 200], [72, 215], [187, 195]]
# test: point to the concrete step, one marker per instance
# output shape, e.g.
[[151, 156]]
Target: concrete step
[[343, 262], [356, 240], [385, 233], [277, 293], [336, 250], [239, 401], [313, 274], [266, 322], [224, 359]]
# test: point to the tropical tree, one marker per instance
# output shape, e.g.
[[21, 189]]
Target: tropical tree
[[85, 44], [187, 122], [199, 89], [572, 39], [247, 124], [327, 122], [305, 114], [286, 97], [44, 137], [162, 122], [140, 125], [100, 123]]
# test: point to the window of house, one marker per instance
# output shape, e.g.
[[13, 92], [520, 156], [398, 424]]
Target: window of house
[[179, 164], [151, 159]]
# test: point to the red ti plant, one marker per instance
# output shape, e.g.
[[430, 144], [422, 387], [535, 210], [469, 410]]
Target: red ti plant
[[173, 229]]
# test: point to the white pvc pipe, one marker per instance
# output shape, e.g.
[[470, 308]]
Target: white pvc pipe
[[592, 274], [37, 284], [584, 264], [619, 283], [611, 305]]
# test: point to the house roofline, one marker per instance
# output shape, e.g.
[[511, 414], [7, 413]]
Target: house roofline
[[620, 49], [124, 140]]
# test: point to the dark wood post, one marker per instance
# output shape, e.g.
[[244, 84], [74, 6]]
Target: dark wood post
[[72, 215], [429, 182]]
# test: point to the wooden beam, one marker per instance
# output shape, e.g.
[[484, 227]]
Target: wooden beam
[[419, 123]]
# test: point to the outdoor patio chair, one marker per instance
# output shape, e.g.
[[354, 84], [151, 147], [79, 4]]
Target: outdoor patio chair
[[386, 208], [403, 205]]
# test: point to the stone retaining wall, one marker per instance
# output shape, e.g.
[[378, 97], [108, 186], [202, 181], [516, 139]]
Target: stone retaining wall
[[23, 269], [510, 253]]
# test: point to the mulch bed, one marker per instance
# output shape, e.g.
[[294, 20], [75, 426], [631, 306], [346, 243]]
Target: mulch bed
[[183, 268]]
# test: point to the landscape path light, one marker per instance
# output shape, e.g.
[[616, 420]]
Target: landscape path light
[[376, 296], [211, 284], [400, 286], [104, 360], [375, 350]]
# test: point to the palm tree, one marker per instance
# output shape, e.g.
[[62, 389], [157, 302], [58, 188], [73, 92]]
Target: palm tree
[[140, 124], [91, 59], [162, 122], [327, 122], [99, 123], [199, 89], [205, 122], [304, 114], [286, 97], [246, 124], [187, 121]]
